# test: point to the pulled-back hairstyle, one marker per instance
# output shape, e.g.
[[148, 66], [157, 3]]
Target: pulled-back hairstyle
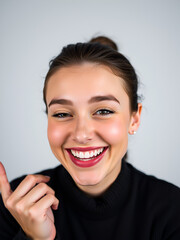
[[100, 50]]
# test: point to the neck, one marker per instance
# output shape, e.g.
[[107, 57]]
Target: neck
[[99, 188]]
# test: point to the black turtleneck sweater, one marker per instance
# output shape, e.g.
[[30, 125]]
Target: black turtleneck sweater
[[135, 207]]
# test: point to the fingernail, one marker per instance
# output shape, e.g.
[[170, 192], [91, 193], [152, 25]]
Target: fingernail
[[47, 176]]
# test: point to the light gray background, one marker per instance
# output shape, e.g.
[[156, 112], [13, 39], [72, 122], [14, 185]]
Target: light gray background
[[34, 31]]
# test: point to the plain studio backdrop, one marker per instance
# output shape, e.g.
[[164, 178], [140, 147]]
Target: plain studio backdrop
[[32, 32]]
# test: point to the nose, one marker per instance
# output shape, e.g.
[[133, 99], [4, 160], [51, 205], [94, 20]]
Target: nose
[[83, 131]]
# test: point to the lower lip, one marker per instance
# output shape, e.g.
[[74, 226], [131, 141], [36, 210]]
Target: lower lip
[[89, 163]]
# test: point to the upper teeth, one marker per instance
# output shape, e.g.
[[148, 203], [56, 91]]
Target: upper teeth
[[87, 154]]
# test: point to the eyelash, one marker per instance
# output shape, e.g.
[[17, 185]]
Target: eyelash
[[57, 115], [105, 110], [100, 110]]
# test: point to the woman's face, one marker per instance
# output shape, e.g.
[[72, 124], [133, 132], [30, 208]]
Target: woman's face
[[89, 113]]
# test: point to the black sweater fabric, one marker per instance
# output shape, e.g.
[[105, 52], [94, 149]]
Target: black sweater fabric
[[135, 207]]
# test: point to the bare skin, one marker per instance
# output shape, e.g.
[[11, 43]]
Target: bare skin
[[31, 205], [82, 125]]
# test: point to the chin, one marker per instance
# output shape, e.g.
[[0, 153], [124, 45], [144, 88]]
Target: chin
[[84, 180]]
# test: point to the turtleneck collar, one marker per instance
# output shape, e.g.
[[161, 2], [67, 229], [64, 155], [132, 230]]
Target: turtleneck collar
[[106, 204]]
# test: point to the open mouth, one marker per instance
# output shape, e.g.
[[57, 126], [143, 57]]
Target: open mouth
[[87, 158]]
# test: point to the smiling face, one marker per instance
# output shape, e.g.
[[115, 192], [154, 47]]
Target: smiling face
[[88, 123]]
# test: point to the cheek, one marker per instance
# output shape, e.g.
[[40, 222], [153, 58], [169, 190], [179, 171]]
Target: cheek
[[115, 131], [56, 134]]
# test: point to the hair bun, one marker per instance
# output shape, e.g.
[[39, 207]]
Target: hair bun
[[105, 41]]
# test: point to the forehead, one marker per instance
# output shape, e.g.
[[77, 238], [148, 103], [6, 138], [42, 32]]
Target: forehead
[[83, 81]]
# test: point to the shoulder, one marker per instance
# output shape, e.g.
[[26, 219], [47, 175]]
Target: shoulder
[[158, 200], [157, 196], [51, 172], [151, 183]]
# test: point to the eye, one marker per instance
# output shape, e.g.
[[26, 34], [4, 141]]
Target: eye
[[61, 115], [104, 112]]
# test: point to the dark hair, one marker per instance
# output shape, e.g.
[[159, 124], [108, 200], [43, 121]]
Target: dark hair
[[100, 50], [105, 41]]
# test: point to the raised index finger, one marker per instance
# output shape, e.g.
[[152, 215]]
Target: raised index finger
[[5, 187]]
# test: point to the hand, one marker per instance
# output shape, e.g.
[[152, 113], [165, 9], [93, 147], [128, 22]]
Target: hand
[[30, 204]]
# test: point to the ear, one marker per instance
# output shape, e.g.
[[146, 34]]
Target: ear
[[135, 120]]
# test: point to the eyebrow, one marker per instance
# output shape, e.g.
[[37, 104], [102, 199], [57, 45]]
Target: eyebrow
[[103, 98], [92, 100]]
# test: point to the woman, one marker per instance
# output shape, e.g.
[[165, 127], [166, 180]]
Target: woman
[[90, 93]]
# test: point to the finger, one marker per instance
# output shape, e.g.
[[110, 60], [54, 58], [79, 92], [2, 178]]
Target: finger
[[39, 208], [47, 202], [5, 187], [27, 184], [37, 193]]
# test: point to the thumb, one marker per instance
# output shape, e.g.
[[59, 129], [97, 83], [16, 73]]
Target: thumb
[[5, 187]]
